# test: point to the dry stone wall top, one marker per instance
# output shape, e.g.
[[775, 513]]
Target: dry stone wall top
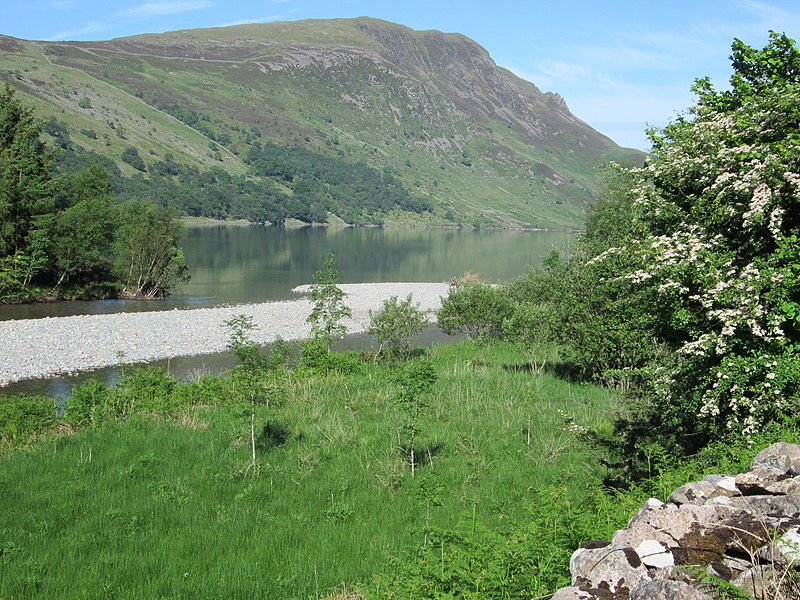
[[743, 529]]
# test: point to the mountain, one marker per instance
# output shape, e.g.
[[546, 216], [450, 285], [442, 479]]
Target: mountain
[[324, 111]]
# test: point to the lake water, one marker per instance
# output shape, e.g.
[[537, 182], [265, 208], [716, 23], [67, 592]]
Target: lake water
[[241, 264], [245, 264]]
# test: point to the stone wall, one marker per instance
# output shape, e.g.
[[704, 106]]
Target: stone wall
[[742, 529]]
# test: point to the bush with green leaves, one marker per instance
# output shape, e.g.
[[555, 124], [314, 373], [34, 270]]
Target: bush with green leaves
[[395, 325], [414, 381], [329, 308], [88, 404], [713, 255], [475, 309], [22, 418], [252, 378]]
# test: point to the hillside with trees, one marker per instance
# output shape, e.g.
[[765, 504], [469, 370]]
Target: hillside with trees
[[401, 126], [63, 234]]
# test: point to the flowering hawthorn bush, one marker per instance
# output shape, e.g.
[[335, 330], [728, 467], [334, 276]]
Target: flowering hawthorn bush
[[717, 211]]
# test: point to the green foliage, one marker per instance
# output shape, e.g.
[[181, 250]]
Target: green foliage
[[395, 325], [355, 193], [718, 255], [63, 230], [25, 186], [683, 289], [22, 418], [254, 377], [131, 156], [415, 380], [328, 459], [148, 259], [88, 404], [475, 309], [329, 308]]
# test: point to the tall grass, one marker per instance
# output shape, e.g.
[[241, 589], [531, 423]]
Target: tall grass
[[157, 507]]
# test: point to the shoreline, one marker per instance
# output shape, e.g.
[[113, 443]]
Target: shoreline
[[56, 346]]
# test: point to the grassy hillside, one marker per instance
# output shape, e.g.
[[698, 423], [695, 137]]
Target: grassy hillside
[[431, 109]]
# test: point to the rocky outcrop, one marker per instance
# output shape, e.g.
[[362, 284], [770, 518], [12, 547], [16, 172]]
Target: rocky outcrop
[[743, 529]]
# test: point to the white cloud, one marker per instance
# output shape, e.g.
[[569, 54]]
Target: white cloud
[[252, 21], [173, 7], [90, 27]]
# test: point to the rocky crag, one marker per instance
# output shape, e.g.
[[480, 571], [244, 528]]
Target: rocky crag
[[726, 530]]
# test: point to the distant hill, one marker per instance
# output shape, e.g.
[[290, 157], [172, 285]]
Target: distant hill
[[360, 120]]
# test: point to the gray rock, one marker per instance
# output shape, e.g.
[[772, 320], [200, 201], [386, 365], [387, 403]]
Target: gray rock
[[782, 455], [667, 589], [649, 505], [617, 567], [772, 511], [571, 593], [728, 567], [784, 551], [696, 492], [724, 482], [691, 533], [761, 581], [761, 480], [655, 554]]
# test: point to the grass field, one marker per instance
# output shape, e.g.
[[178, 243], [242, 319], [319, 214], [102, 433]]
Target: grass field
[[154, 507]]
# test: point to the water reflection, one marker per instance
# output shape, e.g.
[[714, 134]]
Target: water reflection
[[234, 264]]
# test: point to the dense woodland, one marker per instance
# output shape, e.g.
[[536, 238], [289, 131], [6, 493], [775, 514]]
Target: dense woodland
[[663, 346], [281, 183], [64, 233]]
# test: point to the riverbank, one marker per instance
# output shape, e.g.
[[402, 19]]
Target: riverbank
[[54, 346]]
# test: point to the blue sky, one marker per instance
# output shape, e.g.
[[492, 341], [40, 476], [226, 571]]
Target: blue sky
[[620, 65]]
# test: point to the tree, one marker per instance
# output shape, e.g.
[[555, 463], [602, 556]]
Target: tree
[[415, 380], [328, 305], [248, 373], [716, 251], [395, 324], [25, 186], [148, 260], [83, 231], [475, 309]]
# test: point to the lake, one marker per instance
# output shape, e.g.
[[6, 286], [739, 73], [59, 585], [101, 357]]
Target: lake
[[232, 264]]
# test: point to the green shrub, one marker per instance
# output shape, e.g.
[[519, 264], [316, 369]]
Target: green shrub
[[395, 325], [145, 390], [477, 310], [22, 418], [88, 404]]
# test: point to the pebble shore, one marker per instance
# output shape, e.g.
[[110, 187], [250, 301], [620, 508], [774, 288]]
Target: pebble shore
[[31, 348]]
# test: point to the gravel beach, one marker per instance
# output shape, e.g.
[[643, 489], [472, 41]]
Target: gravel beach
[[31, 348]]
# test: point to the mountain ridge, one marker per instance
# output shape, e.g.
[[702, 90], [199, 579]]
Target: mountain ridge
[[477, 143]]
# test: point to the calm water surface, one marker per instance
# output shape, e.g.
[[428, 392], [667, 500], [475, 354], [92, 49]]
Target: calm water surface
[[239, 264]]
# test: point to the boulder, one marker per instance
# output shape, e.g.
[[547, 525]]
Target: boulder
[[696, 492], [773, 511], [782, 455], [727, 483], [617, 567], [571, 593], [760, 581], [654, 554], [766, 480], [743, 529], [650, 504], [666, 589], [692, 534]]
